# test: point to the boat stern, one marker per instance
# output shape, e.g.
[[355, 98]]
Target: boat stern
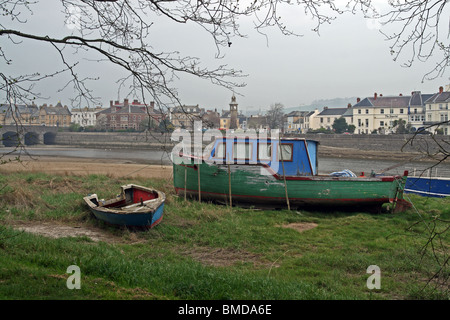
[[399, 204]]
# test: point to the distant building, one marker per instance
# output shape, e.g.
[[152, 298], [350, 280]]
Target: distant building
[[232, 119], [416, 109], [211, 119], [325, 119], [437, 110], [85, 117], [257, 122], [22, 114], [299, 121], [135, 115], [348, 115], [183, 117], [381, 114], [54, 116]]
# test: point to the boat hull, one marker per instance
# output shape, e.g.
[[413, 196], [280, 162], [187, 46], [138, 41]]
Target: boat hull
[[257, 186], [144, 220], [428, 187]]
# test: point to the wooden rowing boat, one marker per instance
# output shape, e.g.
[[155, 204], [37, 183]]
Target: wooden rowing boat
[[135, 206]]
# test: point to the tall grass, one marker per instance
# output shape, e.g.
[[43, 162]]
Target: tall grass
[[207, 251]]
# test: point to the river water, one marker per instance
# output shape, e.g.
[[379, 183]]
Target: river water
[[326, 164]]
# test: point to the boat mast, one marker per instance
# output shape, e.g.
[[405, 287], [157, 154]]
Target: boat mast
[[199, 189], [185, 181], [229, 186]]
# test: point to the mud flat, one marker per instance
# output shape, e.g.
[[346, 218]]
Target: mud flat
[[70, 166]]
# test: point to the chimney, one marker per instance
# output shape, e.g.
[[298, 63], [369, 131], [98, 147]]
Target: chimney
[[401, 95], [358, 100], [125, 102], [381, 95], [135, 101], [441, 89], [116, 102], [375, 96], [110, 103], [152, 105], [325, 108], [349, 105]]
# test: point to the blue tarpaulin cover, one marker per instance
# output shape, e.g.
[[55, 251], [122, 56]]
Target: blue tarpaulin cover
[[343, 173]]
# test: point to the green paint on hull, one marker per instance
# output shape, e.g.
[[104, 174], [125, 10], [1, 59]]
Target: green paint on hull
[[256, 185]]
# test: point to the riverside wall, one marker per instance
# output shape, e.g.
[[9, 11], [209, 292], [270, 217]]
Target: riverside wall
[[364, 143], [124, 140], [394, 142]]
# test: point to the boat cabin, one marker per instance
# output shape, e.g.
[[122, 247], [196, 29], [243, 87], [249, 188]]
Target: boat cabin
[[288, 156]]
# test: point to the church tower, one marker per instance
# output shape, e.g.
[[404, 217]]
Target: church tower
[[234, 121]]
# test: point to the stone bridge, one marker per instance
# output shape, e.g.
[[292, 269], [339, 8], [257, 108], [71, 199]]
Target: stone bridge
[[11, 136]]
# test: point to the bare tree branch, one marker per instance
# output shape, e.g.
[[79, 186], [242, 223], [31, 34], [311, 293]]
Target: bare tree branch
[[419, 32]]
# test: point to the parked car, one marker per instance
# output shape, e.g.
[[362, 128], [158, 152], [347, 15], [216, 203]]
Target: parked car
[[422, 130]]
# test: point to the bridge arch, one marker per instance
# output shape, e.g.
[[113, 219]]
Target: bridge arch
[[49, 138], [10, 135], [31, 138], [10, 139]]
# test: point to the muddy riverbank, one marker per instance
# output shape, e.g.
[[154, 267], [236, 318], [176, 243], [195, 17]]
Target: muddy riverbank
[[70, 166]]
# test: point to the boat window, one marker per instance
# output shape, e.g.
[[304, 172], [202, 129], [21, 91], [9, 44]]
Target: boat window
[[242, 151], [264, 151], [286, 151], [219, 152]]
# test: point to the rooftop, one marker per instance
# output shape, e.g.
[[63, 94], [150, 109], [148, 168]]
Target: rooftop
[[332, 111], [439, 97]]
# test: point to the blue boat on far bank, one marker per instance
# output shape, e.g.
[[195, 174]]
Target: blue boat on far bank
[[135, 206], [428, 187]]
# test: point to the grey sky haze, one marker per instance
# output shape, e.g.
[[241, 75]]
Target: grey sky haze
[[350, 58]]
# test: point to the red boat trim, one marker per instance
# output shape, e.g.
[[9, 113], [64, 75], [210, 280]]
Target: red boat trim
[[156, 222], [193, 167], [189, 156]]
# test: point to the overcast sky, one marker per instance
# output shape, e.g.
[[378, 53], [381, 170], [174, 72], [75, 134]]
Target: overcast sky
[[350, 58]]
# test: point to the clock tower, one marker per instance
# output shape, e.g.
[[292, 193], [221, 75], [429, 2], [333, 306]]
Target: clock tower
[[234, 122]]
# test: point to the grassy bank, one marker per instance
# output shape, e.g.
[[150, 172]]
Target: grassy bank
[[205, 251]]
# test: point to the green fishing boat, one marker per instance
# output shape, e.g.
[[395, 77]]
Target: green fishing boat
[[277, 174]]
